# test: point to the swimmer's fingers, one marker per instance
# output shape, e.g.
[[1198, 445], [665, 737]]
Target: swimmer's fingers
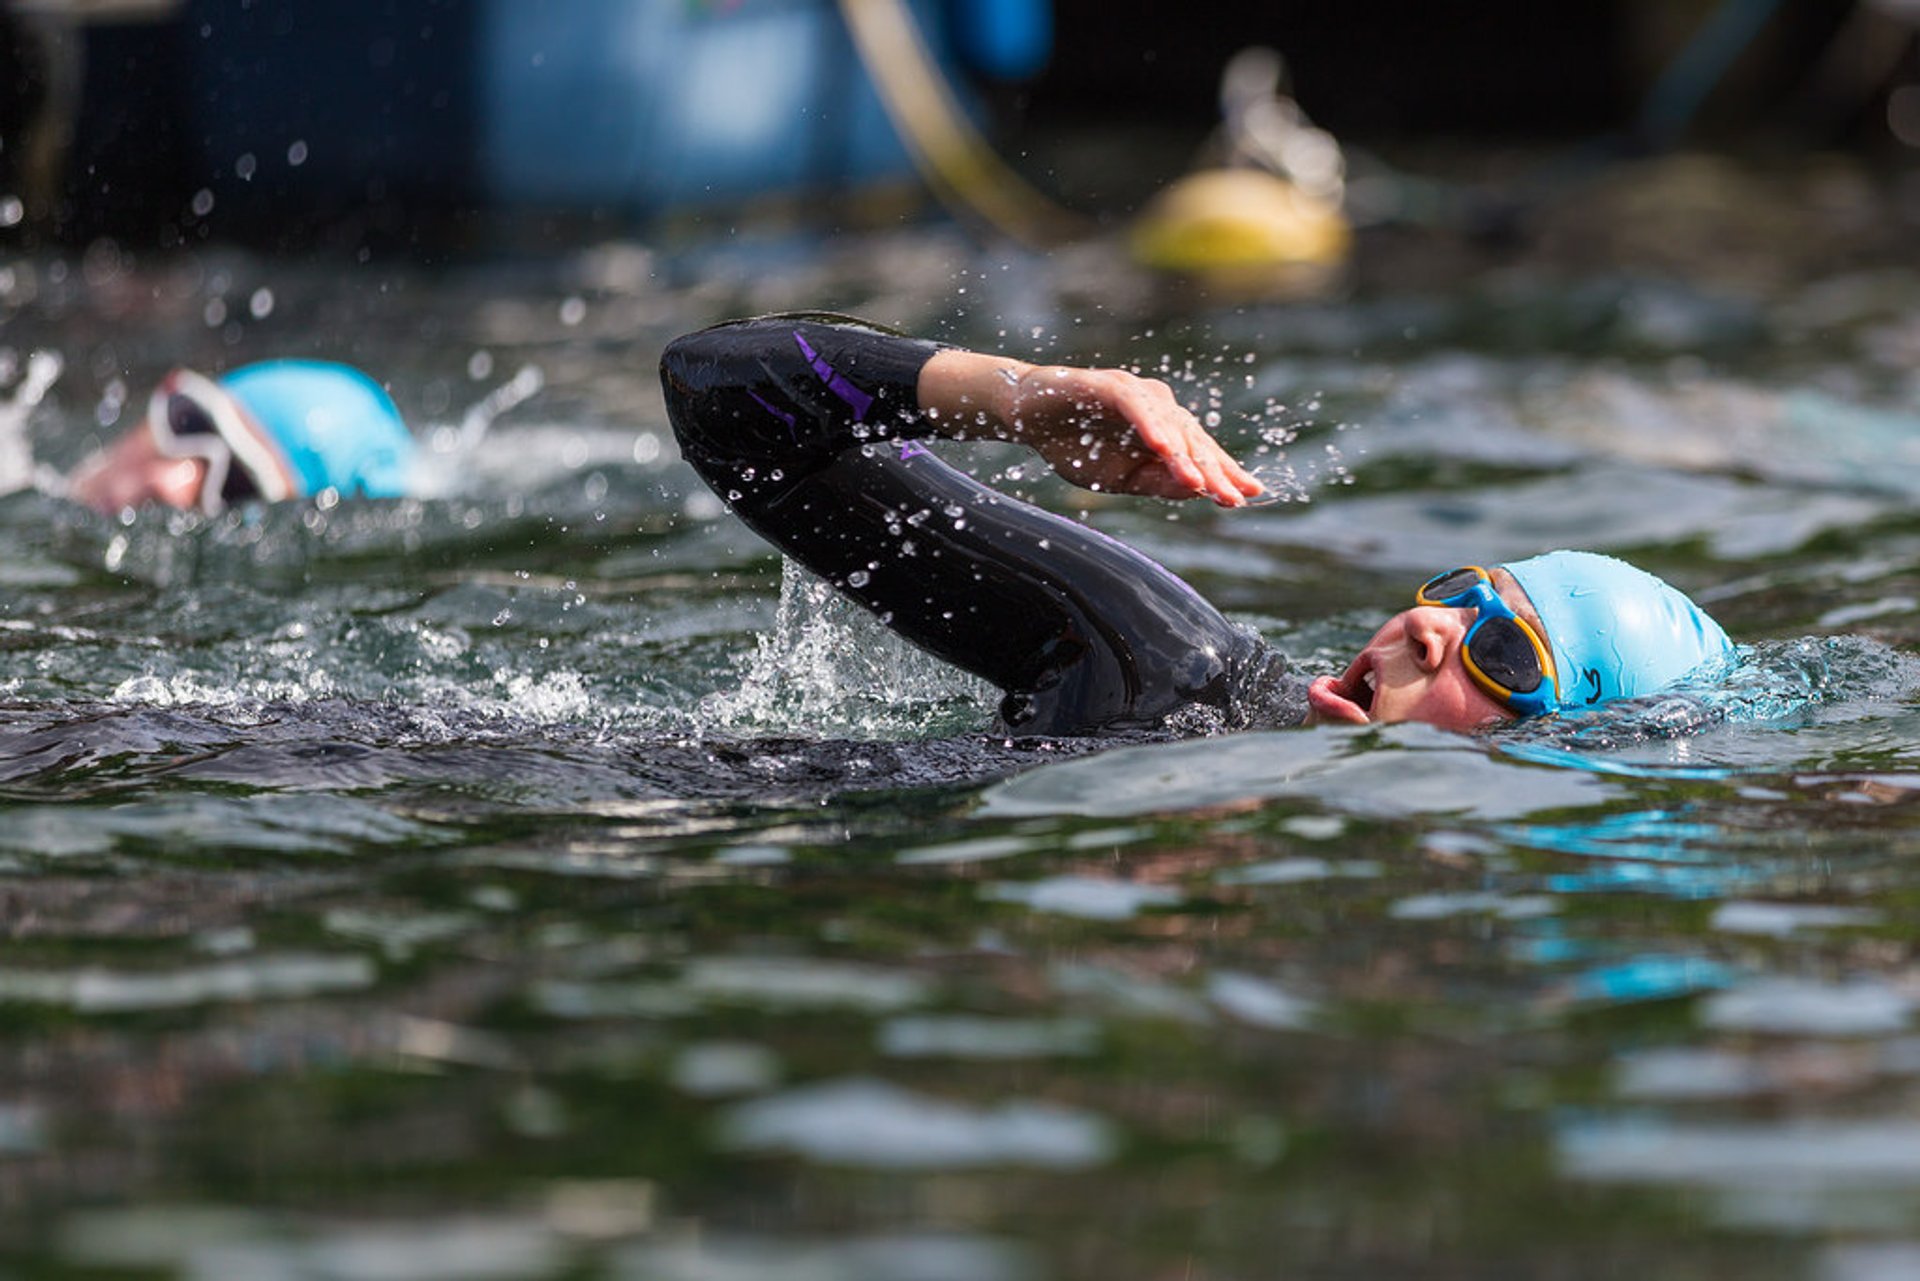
[[1168, 430], [1116, 430], [1156, 479]]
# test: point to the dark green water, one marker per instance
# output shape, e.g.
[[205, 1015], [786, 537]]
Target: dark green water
[[507, 884]]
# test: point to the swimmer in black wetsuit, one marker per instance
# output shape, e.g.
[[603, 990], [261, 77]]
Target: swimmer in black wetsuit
[[808, 426]]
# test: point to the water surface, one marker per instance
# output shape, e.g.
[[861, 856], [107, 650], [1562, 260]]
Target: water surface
[[534, 880]]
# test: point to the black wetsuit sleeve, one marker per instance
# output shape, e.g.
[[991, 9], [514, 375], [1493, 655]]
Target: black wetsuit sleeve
[[807, 427]]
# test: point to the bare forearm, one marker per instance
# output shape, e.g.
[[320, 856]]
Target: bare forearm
[[969, 395], [1101, 428]]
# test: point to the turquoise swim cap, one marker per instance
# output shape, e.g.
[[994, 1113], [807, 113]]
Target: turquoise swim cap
[[337, 427], [1616, 631]]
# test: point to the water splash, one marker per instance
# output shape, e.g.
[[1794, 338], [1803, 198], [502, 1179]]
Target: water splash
[[828, 667], [17, 468], [444, 463]]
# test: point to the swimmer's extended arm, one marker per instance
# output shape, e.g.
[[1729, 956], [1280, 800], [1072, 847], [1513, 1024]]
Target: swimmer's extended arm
[[808, 427], [1104, 429]]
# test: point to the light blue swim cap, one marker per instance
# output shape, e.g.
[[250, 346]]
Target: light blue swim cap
[[1616, 631], [337, 427]]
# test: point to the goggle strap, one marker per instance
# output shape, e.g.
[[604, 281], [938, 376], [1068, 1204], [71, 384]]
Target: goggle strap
[[245, 443]]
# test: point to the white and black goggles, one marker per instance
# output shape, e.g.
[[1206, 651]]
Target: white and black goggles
[[192, 416]]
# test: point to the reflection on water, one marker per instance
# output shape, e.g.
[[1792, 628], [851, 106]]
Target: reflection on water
[[532, 879]]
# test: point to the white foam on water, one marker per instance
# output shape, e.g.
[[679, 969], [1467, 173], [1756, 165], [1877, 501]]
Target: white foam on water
[[973, 851], [1682, 1073], [1431, 772], [1874, 1153], [1129, 994], [1259, 1002], [1782, 919], [261, 978], [713, 1069], [1293, 871], [829, 668], [905, 1256], [23, 1128], [956, 1036], [1091, 897], [448, 462], [17, 467], [1805, 1007], [864, 1122], [496, 1248], [190, 689], [1879, 1261], [799, 983], [1433, 907]]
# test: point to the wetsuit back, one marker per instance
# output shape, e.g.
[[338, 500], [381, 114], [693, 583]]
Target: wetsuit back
[[806, 426]]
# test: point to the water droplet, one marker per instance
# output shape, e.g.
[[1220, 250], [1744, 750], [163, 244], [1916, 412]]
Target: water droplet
[[858, 578], [297, 153], [573, 311], [244, 167], [261, 304]]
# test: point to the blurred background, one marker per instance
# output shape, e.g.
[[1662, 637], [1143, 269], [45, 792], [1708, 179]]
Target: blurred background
[[437, 125]]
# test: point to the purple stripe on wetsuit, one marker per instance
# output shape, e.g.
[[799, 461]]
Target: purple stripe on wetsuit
[[856, 400], [777, 412]]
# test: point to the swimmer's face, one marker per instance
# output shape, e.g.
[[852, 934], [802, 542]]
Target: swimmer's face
[[1412, 671], [132, 472]]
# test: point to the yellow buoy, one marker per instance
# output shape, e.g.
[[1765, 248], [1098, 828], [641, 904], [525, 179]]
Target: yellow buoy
[[1228, 225]]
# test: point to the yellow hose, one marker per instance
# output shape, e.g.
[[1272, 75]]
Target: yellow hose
[[960, 166]]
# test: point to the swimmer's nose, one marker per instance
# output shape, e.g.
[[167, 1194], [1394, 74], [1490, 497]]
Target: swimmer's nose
[[1435, 631]]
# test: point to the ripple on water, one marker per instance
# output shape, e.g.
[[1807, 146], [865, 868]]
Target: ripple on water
[[1802, 1007], [905, 1256], [864, 1122], [1389, 771], [97, 990]]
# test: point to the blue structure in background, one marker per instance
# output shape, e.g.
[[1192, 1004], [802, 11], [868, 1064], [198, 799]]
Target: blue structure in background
[[630, 107]]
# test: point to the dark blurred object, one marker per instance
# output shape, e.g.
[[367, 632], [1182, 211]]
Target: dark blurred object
[[404, 122], [24, 86], [413, 122], [309, 115], [1497, 70]]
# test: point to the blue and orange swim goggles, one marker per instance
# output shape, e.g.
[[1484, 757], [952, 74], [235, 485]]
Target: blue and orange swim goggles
[[1503, 654]]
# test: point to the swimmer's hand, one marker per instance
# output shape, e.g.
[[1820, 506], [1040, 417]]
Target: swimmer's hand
[[1103, 429]]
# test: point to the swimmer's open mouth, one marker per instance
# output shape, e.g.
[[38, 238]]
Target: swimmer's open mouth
[[1347, 697]]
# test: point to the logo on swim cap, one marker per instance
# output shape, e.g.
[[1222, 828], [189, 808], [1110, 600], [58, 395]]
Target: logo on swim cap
[[1616, 631], [337, 427]]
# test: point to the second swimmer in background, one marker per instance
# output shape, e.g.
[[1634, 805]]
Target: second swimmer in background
[[267, 432], [808, 426]]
